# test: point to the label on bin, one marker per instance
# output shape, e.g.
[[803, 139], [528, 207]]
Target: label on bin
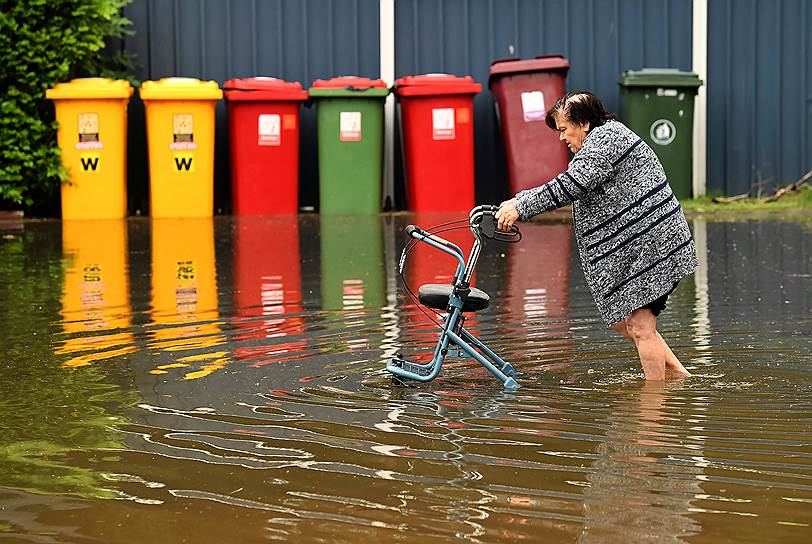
[[183, 131], [442, 124], [288, 122], [350, 126], [662, 132], [667, 92], [533, 106], [269, 129], [88, 131], [89, 145], [186, 286]]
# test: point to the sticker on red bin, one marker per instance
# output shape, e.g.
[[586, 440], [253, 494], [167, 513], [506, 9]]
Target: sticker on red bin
[[533, 106], [288, 122], [442, 124], [269, 129], [350, 126]]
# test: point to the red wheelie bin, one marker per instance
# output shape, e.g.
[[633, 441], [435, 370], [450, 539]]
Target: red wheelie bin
[[436, 114], [524, 90], [263, 115]]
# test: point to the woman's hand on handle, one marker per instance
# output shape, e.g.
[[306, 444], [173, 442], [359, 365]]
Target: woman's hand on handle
[[507, 215]]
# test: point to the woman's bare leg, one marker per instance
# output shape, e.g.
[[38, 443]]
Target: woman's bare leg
[[620, 328], [656, 354], [642, 327], [671, 361]]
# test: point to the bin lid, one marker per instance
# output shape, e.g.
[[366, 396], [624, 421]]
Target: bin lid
[[263, 88], [435, 84], [659, 77], [348, 86], [90, 87], [543, 63], [180, 88]]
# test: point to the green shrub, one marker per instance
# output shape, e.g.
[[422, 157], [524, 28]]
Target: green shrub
[[44, 42]]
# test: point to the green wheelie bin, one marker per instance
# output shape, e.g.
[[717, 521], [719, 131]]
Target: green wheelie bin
[[658, 104], [349, 115]]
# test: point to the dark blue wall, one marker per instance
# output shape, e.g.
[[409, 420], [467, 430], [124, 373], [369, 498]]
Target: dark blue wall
[[759, 94], [601, 38], [759, 76]]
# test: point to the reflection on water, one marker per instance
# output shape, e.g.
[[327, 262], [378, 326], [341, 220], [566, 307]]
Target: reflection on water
[[95, 302], [185, 373], [63, 307], [352, 267], [184, 297], [267, 290], [635, 494], [537, 291]]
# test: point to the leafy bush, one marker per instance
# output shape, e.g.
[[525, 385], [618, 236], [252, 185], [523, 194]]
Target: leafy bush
[[44, 42]]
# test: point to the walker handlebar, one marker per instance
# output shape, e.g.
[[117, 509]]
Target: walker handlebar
[[483, 223], [419, 234]]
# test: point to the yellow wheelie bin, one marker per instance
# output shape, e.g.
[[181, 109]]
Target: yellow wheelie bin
[[180, 136], [92, 116]]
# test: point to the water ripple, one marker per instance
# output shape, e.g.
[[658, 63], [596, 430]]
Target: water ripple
[[254, 390]]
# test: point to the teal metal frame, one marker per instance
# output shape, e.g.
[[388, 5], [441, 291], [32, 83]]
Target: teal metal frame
[[481, 221]]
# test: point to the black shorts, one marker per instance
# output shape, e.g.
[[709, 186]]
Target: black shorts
[[658, 305]]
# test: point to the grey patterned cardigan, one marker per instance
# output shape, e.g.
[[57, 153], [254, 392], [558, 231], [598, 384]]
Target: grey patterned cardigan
[[634, 241]]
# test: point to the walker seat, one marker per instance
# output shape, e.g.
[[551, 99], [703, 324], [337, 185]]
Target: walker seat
[[454, 299], [437, 295]]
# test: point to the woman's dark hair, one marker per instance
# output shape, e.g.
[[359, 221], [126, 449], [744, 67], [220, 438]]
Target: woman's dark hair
[[579, 107]]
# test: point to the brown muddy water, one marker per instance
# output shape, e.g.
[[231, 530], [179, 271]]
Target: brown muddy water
[[223, 381]]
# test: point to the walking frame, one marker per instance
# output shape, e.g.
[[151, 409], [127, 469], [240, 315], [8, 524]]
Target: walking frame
[[457, 298]]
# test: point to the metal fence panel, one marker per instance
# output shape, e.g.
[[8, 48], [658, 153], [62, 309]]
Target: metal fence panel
[[601, 38], [759, 94], [759, 85]]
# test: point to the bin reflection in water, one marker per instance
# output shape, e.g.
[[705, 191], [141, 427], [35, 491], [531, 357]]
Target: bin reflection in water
[[184, 296], [95, 299], [268, 289], [538, 288], [352, 265]]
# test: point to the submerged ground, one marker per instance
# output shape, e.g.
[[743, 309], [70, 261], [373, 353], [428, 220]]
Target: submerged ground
[[222, 381]]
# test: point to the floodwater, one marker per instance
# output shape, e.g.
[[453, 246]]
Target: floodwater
[[223, 381]]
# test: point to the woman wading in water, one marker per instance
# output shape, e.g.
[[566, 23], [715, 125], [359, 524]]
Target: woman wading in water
[[633, 239]]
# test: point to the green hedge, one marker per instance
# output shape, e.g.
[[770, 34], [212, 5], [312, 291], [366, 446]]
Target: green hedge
[[44, 42]]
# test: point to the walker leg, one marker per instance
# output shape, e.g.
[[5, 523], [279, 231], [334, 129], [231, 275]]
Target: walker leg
[[504, 366], [426, 372], [507, 381], [422, 372], [413, 371]]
